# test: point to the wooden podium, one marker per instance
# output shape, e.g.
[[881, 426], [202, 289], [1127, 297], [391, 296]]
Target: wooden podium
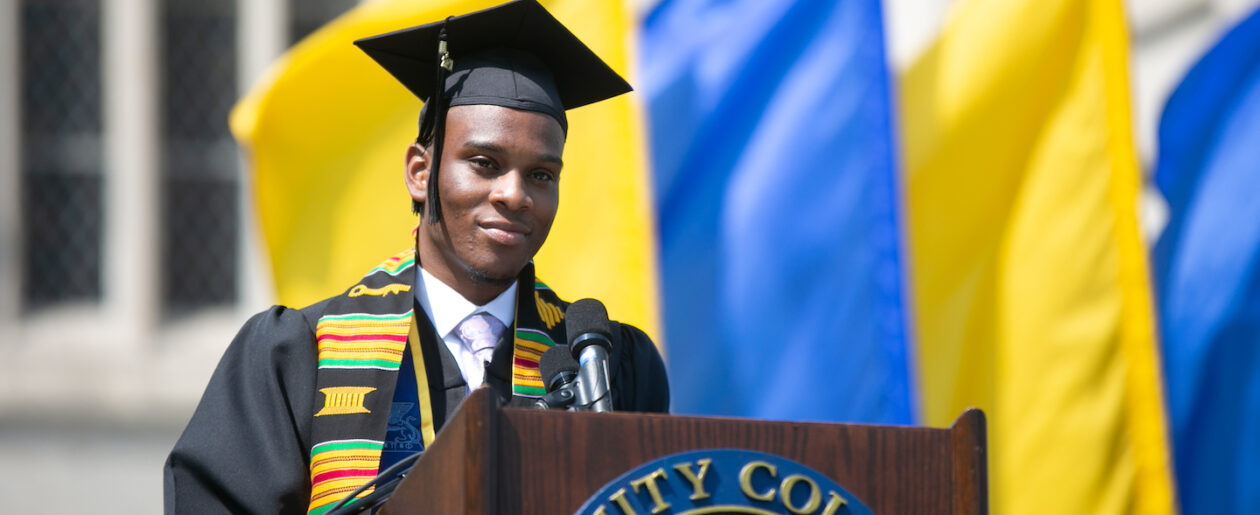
[[495, 460]]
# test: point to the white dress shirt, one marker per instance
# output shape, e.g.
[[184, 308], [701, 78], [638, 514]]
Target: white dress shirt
[[447, 308]]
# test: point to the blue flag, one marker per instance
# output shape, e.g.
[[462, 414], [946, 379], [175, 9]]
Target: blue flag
[[779, 210], [1207, 267]]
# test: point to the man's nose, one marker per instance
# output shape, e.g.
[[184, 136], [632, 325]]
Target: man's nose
[[509, 190]]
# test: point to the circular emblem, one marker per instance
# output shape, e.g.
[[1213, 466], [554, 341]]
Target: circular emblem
[[715, 481]]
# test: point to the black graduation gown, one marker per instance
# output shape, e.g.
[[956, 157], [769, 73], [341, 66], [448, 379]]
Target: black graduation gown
[[247, 447]]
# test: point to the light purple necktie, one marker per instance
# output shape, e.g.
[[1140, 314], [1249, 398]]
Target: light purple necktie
[[480, 332]]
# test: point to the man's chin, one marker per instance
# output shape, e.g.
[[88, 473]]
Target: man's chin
[[484, 277]]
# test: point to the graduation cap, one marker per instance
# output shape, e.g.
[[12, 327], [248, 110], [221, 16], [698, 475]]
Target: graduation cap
[[514, 55]]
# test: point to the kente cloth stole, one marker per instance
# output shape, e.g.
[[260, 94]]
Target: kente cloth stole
[[361, 338]]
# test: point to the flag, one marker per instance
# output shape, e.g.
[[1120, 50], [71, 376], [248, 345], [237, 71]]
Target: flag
[[773, 161], [326, 132], [1029, 275], [1207, 266]]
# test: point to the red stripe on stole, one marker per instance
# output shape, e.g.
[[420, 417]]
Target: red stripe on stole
[[525, 362], [359, 337], [338, 474]]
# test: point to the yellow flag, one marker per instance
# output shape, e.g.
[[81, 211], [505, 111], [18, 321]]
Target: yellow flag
[[1029, 275], [326, 132]]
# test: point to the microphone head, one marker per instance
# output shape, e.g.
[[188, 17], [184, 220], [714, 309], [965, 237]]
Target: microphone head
[[586, 323], [555, 364]]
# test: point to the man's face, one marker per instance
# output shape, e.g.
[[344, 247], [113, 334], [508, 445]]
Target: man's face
[[499, 191]]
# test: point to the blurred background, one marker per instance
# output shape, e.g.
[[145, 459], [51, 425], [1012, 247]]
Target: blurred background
[[130, 248]]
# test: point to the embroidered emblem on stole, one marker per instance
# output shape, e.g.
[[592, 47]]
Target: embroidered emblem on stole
[[388, 289], [344, 400], [548, 312]]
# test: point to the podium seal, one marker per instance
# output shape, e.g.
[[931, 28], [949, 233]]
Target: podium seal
[[716, 481]]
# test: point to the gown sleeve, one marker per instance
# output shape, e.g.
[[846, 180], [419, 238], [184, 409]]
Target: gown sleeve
[[639, 382], [245, 448]]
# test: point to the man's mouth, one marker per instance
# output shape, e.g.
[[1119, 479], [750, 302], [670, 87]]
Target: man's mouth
[[504, 232]]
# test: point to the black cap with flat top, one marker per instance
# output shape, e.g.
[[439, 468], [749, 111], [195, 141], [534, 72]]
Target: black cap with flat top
[[513, 55]]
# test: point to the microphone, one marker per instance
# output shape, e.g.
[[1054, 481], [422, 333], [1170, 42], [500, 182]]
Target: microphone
[[559, 370], [558, 367], [590, 339]]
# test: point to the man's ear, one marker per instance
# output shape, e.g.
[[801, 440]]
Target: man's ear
[[417, 172]]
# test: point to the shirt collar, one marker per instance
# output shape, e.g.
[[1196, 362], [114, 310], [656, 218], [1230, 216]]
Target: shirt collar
[[447, 308]]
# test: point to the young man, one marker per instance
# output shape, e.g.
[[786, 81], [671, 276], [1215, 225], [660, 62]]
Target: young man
[[307, 405]]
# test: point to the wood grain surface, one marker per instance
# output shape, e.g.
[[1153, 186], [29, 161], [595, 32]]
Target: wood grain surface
[[494, 460]]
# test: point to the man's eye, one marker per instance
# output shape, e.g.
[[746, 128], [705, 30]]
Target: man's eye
[[482, 163], [544, 175]]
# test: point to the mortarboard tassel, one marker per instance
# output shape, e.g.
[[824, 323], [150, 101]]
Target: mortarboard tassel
[[438, 123]]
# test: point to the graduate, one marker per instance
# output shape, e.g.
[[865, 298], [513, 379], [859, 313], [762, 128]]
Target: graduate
[[309, 404]]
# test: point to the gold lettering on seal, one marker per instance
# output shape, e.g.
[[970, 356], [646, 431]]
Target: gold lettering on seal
[[388, 289], [696, 480], [619, 497], [785, 492], [745, 480], [834, 503], [654, 490]]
